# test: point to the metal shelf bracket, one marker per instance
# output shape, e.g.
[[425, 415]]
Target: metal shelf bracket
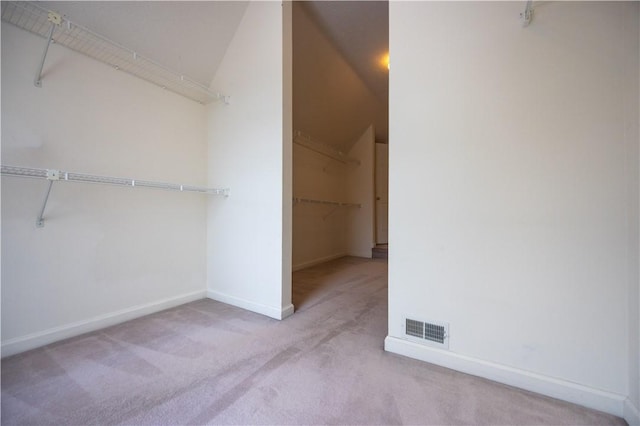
[[527, 15], [55, 20], [52, 176], [333, 210]]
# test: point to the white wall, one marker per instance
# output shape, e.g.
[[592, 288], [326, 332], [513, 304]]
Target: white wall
[[331, 102], [247, 153], [509, 200], [106, 253], [360, 190], [632, 139], [287, 150]]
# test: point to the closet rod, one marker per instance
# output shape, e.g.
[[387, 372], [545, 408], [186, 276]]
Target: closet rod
[[329, 203]]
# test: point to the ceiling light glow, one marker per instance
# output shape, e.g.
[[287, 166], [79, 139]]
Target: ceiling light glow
[[384, 61]]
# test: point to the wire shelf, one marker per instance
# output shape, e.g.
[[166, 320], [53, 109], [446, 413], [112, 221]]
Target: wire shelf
[[325, 202], [323, 149], [35, 19], [58, 175]]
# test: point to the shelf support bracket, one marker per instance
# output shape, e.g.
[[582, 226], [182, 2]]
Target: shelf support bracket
[[325, 217], [52, 175], [55, 19], [527, 15], [40, 220]]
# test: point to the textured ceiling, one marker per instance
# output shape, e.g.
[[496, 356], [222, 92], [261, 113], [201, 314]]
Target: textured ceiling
[[189, 37], [360, 31]]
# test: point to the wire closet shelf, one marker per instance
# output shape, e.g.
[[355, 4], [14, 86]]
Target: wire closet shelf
[[59, 175], [325, 202], [306, 141], [53, 175], [58, 29]]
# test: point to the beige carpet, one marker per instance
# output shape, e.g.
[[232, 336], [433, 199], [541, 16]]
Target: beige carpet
[[209, 363]]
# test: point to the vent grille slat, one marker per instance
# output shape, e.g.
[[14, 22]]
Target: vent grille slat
[[433, 332], [415, 328], [427, 332]]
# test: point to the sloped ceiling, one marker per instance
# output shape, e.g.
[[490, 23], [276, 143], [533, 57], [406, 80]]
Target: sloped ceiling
[[360, 32], [189, 37]]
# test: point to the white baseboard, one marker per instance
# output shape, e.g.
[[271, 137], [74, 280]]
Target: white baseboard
[[317, 261], [631, 413], [35, 340], [367, 254], [287, 311], [270, 311], [608, 402]]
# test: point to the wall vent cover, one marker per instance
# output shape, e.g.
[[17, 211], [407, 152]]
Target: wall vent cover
[[431, 332]]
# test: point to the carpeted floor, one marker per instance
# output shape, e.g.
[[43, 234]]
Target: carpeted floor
[[210, 363]]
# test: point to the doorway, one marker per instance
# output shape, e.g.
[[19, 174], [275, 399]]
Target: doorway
[[340, 132]]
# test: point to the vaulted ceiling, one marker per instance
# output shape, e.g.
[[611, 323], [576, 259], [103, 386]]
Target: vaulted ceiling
[[360, 31]]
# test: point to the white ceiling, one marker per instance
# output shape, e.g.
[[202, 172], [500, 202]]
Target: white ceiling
[[189, 37], [360, 31]]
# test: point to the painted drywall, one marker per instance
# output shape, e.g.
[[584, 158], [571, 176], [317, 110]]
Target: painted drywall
[[632, 141], [360, 190], [245, 235], [105, 253], [509, 203], [287, 150], [331, 103]]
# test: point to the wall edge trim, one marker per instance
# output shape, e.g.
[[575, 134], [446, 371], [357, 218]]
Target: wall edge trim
[[597, 399], [362, 254], [287, 311], [35, 340], [270, 311], [631, 413]]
